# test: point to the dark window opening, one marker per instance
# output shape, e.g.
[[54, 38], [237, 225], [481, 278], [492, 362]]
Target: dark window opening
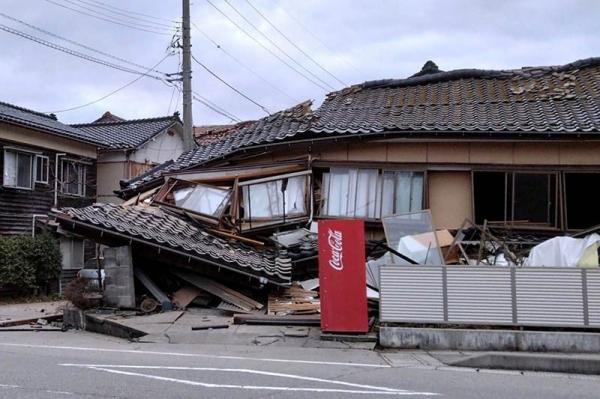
[[534, 200], [581, 203], [489, 192], [519, 198]]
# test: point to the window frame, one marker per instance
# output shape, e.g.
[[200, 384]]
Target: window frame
[[82, 184], [379, 190], [45, 170], [17, 152], [510, 177], [248, 218]]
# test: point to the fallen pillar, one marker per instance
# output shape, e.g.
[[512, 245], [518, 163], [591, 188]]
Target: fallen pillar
[[156, 292]]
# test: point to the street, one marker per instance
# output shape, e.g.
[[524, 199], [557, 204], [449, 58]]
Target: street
[[84, 365]]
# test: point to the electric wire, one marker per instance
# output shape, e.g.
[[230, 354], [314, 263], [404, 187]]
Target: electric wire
[[322, 43], [292, 59], [125, 14], [207, 69], [107, 20], [78, 3], [295, 45], [243, 65], [73, 52], [265, 47], [112, 92], [76, 43], [134, 12]]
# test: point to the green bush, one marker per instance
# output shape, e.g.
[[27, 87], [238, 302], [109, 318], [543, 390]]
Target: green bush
[[27, 263]]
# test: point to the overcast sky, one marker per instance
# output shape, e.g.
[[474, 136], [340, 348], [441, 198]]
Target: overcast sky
[[353, 40]]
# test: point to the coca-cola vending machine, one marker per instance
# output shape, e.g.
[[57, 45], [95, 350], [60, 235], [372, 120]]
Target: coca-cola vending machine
[[342, 276]]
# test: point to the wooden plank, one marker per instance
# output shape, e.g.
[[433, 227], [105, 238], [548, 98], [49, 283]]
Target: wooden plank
[[210, 326], [140, 197], [218, 290], [184, 296], [310, 320]]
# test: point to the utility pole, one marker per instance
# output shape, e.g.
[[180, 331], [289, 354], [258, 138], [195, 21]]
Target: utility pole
[[188, 124]]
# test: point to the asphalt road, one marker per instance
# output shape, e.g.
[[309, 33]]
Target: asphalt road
[[83, 365]]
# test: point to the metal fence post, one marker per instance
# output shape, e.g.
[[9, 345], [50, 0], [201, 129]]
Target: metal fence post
[[584, 288]]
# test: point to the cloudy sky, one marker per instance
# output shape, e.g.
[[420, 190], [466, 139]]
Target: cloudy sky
[[348, 42]]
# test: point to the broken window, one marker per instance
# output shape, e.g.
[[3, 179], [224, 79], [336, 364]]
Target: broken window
[[516, 197], [582, 208], [369, 194], [202, 199], [275, 199]]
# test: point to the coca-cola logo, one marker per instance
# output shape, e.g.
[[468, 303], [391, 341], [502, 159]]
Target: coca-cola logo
[[335, 245]]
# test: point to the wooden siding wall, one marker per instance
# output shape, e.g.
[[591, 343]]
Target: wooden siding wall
[[17, 206]]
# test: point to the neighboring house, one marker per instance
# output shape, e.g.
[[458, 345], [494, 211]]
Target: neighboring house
[[44, 164], [520, 148], [130, 147]]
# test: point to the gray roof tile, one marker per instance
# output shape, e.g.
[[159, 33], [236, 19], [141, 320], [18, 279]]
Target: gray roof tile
[[129, 134], [47, 123], [153, 225]]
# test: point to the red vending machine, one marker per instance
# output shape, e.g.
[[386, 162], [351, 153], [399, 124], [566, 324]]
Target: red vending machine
[[342, 276]]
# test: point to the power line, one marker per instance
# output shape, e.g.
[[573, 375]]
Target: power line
[[318, 39], [230, 86], [73, 52], [265, 47], [76, 43], [277, 46], [242, 64], [78, 3], [114, 91], [108, 20], [209, 104], [134, 12], [295, 45], [126, 14]]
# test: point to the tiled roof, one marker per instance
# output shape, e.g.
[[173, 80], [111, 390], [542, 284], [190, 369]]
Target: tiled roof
[[155, 226], [208, 133], [531, 100], [47, 123], [109, 117], [273, 128], [127, 134], [560, 99]]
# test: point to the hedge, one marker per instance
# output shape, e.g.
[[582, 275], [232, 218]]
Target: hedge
[[27, 263]]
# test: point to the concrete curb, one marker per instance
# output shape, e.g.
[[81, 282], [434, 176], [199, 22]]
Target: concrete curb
[[488, 340], [532, 362]]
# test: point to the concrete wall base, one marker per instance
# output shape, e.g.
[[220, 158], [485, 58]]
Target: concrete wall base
[[488, 340]]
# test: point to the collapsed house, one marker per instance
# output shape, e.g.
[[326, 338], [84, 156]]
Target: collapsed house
[[513, 150]]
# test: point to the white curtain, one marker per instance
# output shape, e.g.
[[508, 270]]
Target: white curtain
[[10, 169], [265, 200]]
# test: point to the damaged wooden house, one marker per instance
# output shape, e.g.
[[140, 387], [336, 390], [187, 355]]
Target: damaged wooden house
[[516, 148]]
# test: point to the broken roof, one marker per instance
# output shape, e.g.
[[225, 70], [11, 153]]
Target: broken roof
[[543, 101], [153, 226], [128, 134], [276, 127], [206, 134], [43, 122], [556, 99]]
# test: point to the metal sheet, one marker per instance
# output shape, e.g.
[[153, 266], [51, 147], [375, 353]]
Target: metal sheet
[[479, 295], [411, 293], [549, 296]]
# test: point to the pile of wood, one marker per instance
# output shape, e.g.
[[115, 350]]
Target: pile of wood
[[294, 301]]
